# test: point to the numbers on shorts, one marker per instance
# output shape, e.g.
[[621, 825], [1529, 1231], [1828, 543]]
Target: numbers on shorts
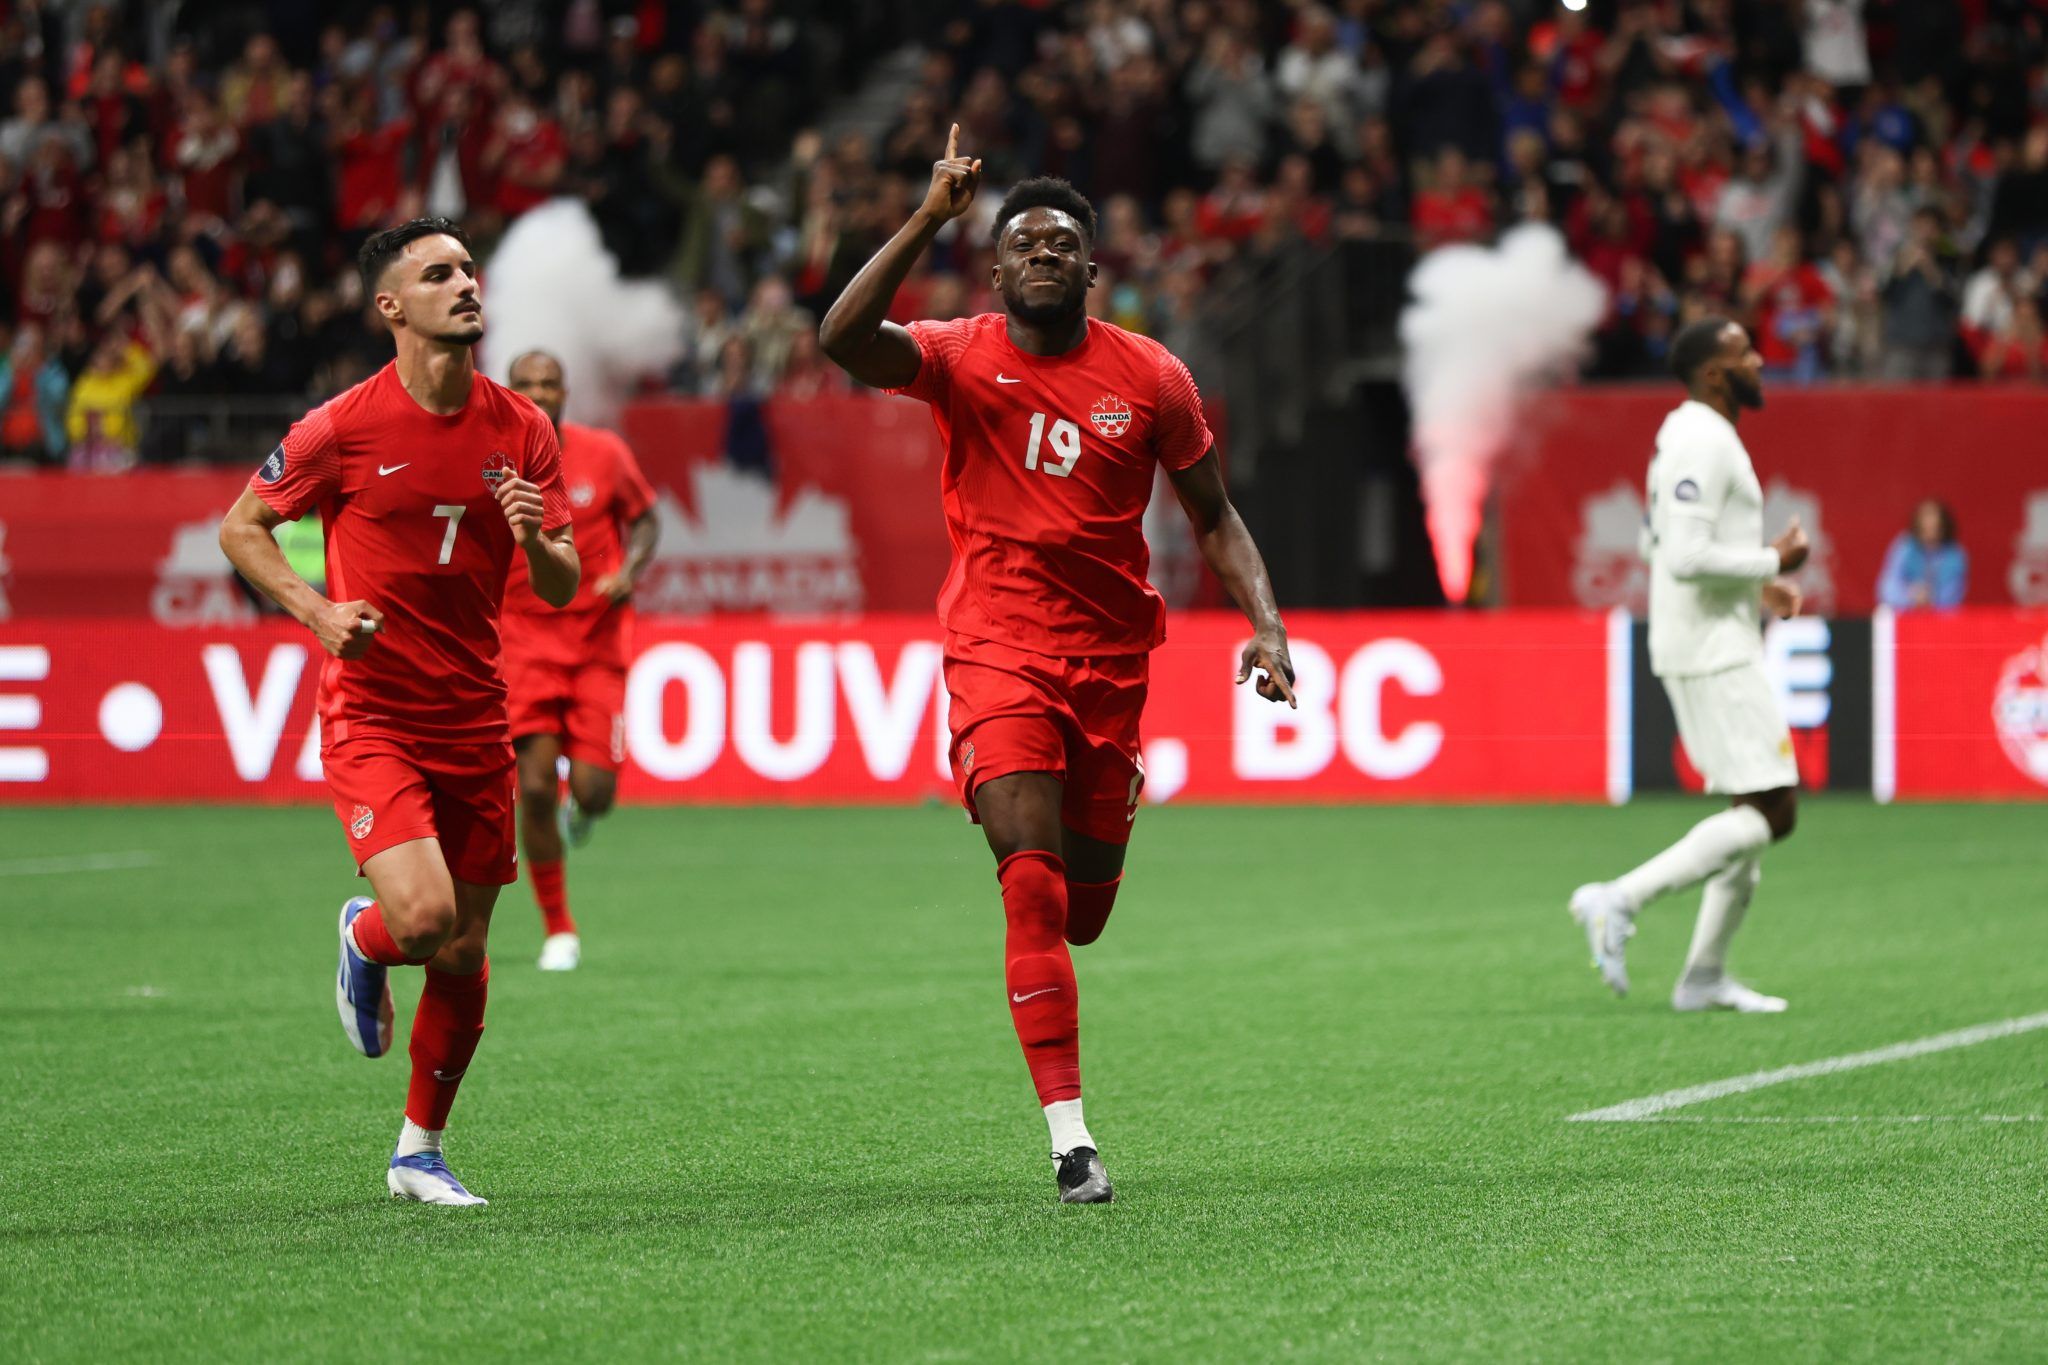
[[453, 511], [1065, 439]]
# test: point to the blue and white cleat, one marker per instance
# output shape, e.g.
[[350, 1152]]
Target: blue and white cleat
[[362, 990], [573, 821], [425, 1178]]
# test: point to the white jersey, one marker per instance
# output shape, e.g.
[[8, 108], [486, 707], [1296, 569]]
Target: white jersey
[[1705, 547]]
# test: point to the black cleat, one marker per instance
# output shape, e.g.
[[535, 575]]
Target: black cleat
[[1082, 1179]]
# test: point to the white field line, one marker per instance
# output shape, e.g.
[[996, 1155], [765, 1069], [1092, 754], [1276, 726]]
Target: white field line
[[85, 862], [1848, 1118], [1636, 1111]]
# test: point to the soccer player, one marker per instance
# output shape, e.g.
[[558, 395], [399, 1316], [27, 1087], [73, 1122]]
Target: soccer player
[[431, 481], [1053, 426], [565, 671], [1709, 574]]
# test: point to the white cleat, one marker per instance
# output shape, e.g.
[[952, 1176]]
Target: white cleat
[[1605, 916], [425, 1178], [560, 953], [1725, 993]]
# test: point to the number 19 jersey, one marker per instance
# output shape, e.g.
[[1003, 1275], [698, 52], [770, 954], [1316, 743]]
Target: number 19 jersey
[[409, 502], [1050, 461]]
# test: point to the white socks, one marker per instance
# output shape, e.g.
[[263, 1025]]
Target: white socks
[[1722, 905], [1722, 839], [413, 1139], [1063, 1119]]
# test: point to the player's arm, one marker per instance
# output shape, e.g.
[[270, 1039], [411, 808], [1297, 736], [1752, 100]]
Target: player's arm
[[344, 629], [856, 332], [552, 565], [641, 536], [1234, 558], [1694, 485]]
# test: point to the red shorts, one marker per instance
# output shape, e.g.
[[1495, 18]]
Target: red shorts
[[388, 791], [1014, 711], [584, 703]]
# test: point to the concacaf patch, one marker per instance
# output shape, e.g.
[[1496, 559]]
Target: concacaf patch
[[496, 468], [1111, 416], [361, 820], [273, 468], [1687, 491]]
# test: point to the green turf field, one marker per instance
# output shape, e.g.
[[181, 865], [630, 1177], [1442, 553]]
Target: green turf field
[[780, 1115]]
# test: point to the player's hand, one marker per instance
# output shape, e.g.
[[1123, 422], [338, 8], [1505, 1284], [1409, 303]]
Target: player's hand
[[1782, 598], [347, 629], [1267, 652], [613, 587], [1792, 547], [954, 181], [521, 501]]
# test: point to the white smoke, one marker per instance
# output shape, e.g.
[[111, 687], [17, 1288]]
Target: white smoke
[[552, 286], [1485, 326]]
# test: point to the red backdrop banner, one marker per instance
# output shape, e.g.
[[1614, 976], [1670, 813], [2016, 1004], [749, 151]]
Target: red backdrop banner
[[1850, 462], [1393, 707], [1970, 705]]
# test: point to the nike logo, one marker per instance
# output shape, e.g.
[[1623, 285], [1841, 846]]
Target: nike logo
[[1005, 379], [391, 468], [446, 1076], [1017, 999]]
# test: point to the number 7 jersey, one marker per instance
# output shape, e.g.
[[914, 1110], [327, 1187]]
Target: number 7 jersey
[[1050, 461], [408, 500]]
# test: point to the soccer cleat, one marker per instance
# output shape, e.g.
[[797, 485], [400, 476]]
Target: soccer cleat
[[573, 822], [1082, 1179], [425, 1178], [1605, 917], [362, 990], [1723, 993], [560, 953]]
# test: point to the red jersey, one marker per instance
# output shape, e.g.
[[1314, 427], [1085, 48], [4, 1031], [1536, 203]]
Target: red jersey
[[414, 528], [607, 494], [1049, 465]]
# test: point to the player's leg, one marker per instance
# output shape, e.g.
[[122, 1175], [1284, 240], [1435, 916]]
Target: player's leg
[[540, 834], [1727, 740], [1095, 869], [1705, 983], [1105, 777], [596, 728], [473, 806]]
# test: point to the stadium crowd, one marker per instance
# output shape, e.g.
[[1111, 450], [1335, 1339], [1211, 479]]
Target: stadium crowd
[[1864, 182]]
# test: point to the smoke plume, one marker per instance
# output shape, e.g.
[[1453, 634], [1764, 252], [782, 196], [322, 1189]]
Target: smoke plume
[[1484, 327], [552, 286]]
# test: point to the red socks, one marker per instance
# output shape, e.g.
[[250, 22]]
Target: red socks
[[374, 941], [1088, 907], [445, 1032], [1038, 973], [551, 896]]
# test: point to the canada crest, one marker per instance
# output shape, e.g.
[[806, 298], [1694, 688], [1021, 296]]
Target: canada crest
[[360, 822], [496, 467], [1111, 416], [582, 494], [2019, 708]]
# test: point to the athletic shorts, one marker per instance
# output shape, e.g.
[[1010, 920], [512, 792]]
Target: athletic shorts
[[1733, 731], [389, 791], [585, 704], [1014, 711]]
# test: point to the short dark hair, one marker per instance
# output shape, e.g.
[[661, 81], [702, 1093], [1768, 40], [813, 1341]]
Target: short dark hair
[[1696, 343], [384, 247], [535, 353], [1046, 192]]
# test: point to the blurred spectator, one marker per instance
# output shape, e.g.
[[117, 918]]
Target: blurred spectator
[[1919, 305], [2001, 318], [99, 421], [34, 390], [1233, 100], [1450, 207], [1925, 566]]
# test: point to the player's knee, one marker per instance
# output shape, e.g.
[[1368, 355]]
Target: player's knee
[[596, 795], [537, 790], [421, 923], [463, 953]]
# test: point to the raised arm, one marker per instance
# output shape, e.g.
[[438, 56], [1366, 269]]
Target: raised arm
[[1234, 558], [856, 332]]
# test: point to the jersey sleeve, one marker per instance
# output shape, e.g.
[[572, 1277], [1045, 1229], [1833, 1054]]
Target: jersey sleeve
[[543, 469], [1692, 481], [634, 495], [1692, 478], [939, 345], [305, 469], [1180, 433]]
